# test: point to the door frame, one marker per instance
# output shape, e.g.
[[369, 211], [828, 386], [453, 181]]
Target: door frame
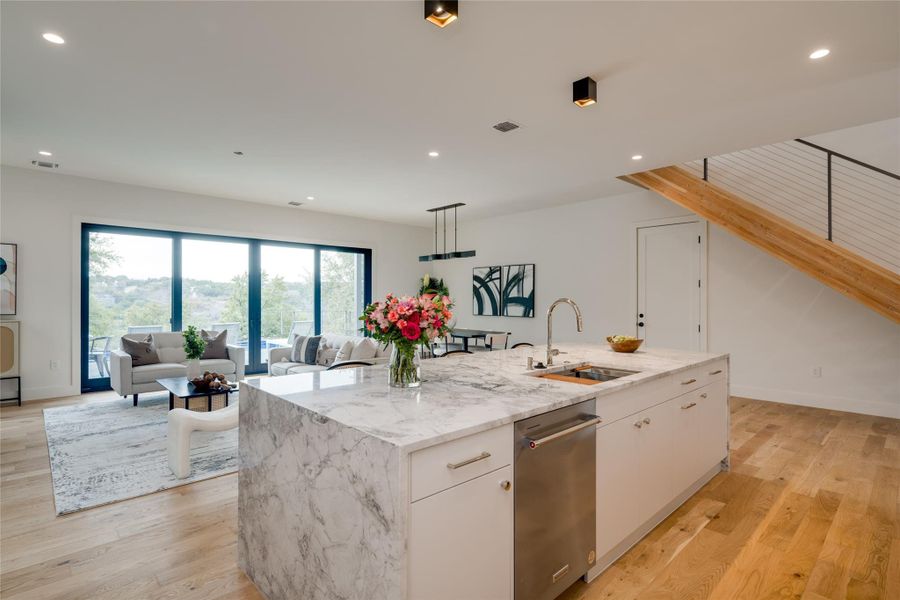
[[704, 268]]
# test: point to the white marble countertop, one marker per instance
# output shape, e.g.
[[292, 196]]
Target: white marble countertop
[[464, 394]]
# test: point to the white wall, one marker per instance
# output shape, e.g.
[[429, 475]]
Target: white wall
[[776, 322], [42, 212]]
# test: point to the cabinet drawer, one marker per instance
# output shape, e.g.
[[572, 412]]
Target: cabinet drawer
[[712, 372], [445, 465], [686, 381]]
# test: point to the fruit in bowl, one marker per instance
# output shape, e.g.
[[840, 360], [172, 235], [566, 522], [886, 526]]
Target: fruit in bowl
[[211, 381], [624, 343]]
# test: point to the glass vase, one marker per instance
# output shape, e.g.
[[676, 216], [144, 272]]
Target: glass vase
[[404, 369]]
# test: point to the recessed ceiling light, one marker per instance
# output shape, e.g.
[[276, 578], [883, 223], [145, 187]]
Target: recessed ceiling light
[[820, 53], [310, 197], [441, 12], [434, 154], [54, 38], [45, 153], [637, 157]]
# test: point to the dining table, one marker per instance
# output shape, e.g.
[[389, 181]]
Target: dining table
[[466, 334]]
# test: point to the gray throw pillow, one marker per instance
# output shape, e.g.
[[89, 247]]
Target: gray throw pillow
[[141, 351], [216, 344], [305, 349]]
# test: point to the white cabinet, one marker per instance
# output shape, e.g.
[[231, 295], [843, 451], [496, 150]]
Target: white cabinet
[[461, 541], [618, 484], [647, 459]]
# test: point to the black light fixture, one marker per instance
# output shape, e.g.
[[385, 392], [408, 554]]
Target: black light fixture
[[584, 92], [440, 12], [445, 255]]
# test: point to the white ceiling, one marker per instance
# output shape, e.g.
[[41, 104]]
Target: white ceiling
[[343, 100]]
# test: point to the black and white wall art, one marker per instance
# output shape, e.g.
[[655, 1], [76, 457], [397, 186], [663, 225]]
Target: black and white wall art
[[486, 291], [518, 291]]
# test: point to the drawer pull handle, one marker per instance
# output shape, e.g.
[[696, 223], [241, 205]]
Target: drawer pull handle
[[469, 461], [689, 405], [716, 372], [505, 484], [638, 424], [704, 395], [689, 381], [646, 420]]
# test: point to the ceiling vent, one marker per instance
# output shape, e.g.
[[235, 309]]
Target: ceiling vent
[[45, 164], [295, 203], [505, 126]]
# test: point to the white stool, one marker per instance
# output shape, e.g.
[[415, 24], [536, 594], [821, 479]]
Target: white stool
[[183, 422]]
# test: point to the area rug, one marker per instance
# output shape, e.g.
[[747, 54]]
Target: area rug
[[106, 452]]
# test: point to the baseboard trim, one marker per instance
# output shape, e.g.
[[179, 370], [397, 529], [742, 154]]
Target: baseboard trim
[[866, 407], [46, 393]]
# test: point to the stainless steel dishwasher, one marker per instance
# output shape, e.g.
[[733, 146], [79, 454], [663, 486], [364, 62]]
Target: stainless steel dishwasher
[[555, 500]]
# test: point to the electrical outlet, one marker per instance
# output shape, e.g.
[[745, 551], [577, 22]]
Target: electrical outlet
[[817, 371], [54, 365]]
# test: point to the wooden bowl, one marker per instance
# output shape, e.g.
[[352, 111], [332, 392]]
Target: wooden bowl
[[626, 346]]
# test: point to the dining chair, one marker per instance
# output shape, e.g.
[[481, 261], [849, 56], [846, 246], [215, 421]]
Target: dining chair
[[494, 340], [349, 364], [522, 345]]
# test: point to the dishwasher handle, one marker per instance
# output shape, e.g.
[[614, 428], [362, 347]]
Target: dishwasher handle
[[583, 423]]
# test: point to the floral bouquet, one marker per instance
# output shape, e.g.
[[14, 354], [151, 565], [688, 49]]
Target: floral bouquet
[[407, 322]]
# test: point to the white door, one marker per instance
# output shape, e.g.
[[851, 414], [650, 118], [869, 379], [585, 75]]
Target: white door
[[461, 541], [668, 311]]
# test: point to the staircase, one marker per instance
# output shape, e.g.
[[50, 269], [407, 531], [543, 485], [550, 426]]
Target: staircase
[[829, 215]]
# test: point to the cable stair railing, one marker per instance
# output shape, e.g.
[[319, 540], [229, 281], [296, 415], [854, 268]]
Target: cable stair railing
[[848, 202]]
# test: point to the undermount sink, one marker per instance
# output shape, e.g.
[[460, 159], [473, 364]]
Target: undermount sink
[[588, 374]]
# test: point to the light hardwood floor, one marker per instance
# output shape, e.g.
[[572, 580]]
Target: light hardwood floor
[[810, 509]]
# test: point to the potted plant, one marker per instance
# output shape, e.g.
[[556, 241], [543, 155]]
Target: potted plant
[[194, 345], [407, 322], [433, 287]]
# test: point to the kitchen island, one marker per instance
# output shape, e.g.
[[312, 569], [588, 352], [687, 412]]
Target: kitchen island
[[351, 489]]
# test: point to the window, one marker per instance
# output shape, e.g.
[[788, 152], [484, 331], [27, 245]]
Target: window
[[262, 292]]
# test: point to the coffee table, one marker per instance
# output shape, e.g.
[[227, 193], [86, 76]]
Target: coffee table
[[184, 389]]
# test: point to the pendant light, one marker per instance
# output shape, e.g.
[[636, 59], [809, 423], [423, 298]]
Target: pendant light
[[440, 12], [584, 92], [446, 255]]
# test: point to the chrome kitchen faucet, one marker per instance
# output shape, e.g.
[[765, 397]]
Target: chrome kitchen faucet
[[579, 323]]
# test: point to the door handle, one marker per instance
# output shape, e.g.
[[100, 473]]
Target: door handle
[[640, 323], [585, 422], [469, 461]]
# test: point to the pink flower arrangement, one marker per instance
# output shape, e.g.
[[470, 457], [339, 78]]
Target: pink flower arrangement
[[408, 320]]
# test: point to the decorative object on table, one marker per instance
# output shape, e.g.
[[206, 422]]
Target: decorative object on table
[[194, 346], [445, 255], [182, 423], [486, 291], [406, 323], [518, 291], [103, 452], [433, 287], [9, 360], [624, 343], [211, 381], [8, 273]]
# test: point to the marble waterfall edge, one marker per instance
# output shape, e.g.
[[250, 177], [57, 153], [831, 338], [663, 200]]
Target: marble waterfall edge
[[319, 515]]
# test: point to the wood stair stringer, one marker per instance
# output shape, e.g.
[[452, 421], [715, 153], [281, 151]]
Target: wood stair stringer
[[850, 274]]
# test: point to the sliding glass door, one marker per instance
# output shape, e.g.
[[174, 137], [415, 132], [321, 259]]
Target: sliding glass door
[[130, 291], [215, 293], [263, 293]]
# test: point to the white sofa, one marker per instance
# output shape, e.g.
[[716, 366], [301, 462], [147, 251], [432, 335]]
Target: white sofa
[[128, 380], [280, 358]]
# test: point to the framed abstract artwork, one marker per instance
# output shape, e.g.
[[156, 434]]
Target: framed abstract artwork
[[8, 273], [486, 291], [518, 291]]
